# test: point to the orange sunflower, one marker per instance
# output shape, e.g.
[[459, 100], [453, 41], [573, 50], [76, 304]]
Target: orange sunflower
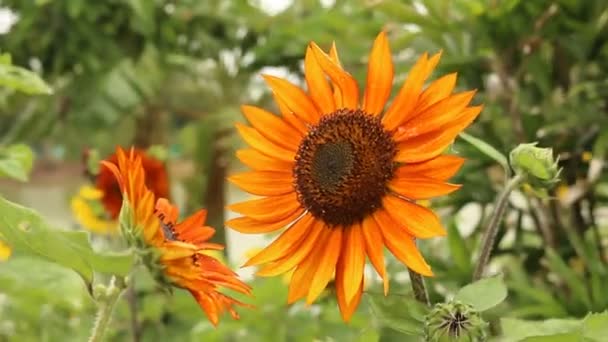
[[156, 180], [344, 175], [177, 249]]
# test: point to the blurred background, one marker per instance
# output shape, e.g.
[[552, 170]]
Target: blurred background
[[170, 75]]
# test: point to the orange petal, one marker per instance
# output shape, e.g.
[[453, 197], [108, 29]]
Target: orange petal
[[264, 183], [419, 221], [379, 76], [374, 247], [304, 272], [273, 127], [247, 225], [401, 108], [208, 305], [260, 143], [285, 243], [343, 80], [440, 168], [318, 88], [354, 260], [268, 209], [333, 55], [346, 308], [420, 187], [290, 116], [317, 234], [404, 248], [327, 265], [295, 98], [430, 145], [261, 162], [436, 116], [436, 91]]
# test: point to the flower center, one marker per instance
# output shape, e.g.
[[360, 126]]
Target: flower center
[[342, 167]]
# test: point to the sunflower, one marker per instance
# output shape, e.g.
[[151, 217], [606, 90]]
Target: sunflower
[[156, 180], [344, 175], [177, 250], [88, 211]]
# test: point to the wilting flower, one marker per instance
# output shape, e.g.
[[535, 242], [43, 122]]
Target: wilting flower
[[156, 180], [343, 174], [174, 251], [88, 211]]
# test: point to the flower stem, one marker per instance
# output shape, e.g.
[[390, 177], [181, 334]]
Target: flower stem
[[106, 303], [489, 236], [419, 288]]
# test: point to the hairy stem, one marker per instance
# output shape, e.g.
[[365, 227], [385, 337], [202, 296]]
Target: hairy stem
[[489, 236], [106, 303], [419, 288]]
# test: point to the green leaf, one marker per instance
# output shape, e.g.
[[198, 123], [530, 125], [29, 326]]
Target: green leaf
[[488, 150], [517, 329], [21, 79], [565, 337], [26, 231], [461, 255], [483, 294], [595, 326], [16, 161], [401, 313]]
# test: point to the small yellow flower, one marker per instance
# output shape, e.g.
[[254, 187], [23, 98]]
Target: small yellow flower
[[561, 192], [83, 209], [5, 251]]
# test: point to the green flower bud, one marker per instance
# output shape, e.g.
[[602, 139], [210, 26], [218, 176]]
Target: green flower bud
[[536, 165], [454, 322]]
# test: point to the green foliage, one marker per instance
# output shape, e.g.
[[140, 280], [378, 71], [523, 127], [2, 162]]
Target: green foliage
[[592, 328], [20, 79], [16, 161], [25, 231], [483, 294], [402, 313]]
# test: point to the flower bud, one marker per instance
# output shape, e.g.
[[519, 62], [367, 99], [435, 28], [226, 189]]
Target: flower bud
[[536, 165], [454, 321]]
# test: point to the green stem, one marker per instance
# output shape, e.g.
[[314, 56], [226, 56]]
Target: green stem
[[106, 303], [489, 237], [419, 288]]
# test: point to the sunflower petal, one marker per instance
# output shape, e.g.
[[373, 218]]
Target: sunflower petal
[[404, 248], [333, 55], [436, 91], [354, 260], [430, 145], [440, 168], [419, 221], [261, 162], [303, 274], [436, 116], [247, 225], [260, 143], [346, 308], [380, 72], [272, 127], [303, 250], [295, 98], [374, 247], [264, 183], [420, 187], [268, 209], [285, 243], [403, 104], [326, 266], [318, 88], [342, 79]]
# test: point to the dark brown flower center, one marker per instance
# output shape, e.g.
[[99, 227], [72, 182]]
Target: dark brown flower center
[[342, 167]]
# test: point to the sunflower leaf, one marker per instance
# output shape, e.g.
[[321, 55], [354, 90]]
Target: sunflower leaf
[[488, 150], [17, 78], [400, 313], [483, 294], [26, 231]]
